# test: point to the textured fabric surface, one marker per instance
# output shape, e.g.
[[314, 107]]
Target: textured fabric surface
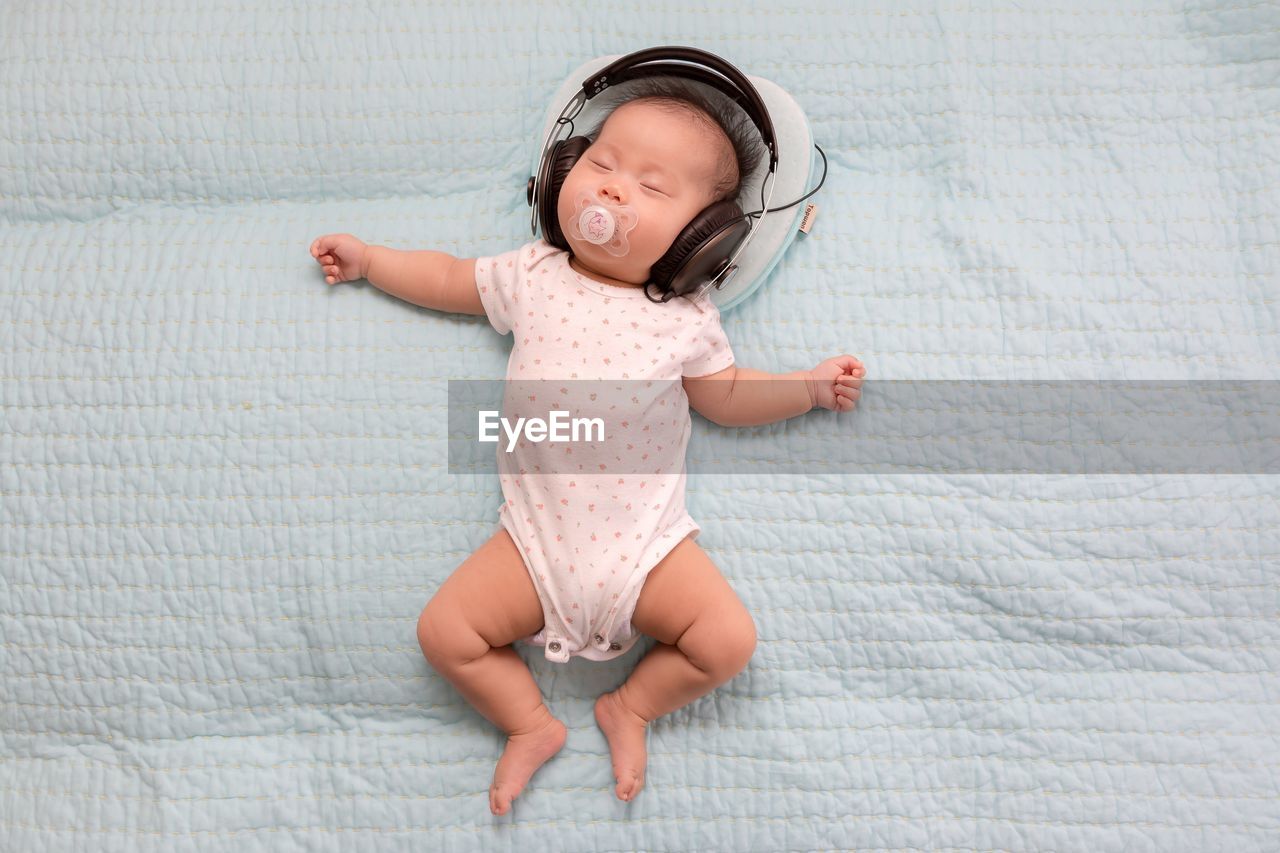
[[224, 497]]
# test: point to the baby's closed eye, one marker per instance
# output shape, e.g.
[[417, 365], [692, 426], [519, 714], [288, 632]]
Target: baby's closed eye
[[607, 169]]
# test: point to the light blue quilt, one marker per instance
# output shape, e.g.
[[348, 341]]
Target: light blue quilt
[[224, 496]]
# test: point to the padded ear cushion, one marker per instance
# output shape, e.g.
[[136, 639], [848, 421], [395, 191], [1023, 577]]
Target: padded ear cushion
[[562, 160], [704, 226]]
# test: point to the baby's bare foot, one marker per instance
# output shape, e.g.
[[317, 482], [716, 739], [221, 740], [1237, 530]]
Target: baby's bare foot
[[525, 753], [624, 729]]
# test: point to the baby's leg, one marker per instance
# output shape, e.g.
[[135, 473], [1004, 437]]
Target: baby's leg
[[705, 637], [465, 632]]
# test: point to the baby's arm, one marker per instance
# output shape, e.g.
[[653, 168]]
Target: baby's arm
[[740, 396], [431, 279]]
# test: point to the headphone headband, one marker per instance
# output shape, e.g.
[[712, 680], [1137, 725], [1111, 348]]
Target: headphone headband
[[643, 63]]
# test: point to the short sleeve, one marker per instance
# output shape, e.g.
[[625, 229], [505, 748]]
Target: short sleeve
[[710, 351], [501, 279]]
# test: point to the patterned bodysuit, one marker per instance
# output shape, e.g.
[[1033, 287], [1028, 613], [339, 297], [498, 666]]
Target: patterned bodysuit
[[591, 520]]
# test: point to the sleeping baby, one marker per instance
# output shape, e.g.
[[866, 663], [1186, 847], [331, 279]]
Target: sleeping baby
[[584, 565]]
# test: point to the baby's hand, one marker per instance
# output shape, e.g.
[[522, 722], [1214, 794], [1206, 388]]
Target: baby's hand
[[341, 255], [836, 383]]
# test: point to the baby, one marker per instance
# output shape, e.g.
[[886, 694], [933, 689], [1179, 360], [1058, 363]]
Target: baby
[[548, 576]]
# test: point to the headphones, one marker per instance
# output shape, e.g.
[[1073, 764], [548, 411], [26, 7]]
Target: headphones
[[702, 254]]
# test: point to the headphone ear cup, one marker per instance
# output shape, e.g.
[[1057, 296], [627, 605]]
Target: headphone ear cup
[[563, 157], [703, 245]]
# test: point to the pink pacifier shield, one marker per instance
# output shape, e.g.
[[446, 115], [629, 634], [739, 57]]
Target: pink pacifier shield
[[602, 224]]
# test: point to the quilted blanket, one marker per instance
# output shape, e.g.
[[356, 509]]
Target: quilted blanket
[[225, 498]]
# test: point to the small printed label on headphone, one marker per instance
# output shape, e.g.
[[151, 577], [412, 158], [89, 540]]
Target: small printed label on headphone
[[810, 214]]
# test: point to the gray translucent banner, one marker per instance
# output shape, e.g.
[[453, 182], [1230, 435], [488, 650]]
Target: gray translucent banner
[[898, 426]]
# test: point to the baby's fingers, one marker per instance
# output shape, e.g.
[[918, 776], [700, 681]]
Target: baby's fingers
[[847, 396], [322, 249]]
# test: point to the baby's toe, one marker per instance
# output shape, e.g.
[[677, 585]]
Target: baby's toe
[[628, 786]]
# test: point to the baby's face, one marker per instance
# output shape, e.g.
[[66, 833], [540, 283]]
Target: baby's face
[[661, 164]]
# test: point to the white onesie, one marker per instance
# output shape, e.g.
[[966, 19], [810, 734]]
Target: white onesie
[[589, 542]]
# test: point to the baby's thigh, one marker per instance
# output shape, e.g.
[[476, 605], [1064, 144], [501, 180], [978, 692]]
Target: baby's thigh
[[684, 588], [490, 594]]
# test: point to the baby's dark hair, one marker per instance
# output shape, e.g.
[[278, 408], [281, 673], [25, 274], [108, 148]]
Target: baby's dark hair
[[674, 95]]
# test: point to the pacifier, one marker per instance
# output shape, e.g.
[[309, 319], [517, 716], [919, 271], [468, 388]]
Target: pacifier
[[602, 224]]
